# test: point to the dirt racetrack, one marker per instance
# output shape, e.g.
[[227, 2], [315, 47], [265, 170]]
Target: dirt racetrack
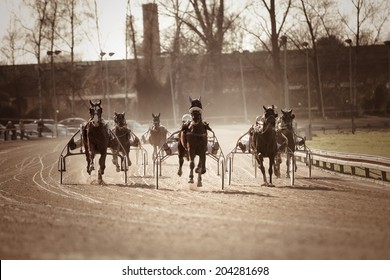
[[324, 217]]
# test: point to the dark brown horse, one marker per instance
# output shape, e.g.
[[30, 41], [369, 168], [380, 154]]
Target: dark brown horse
[[157, 135], [96, 139], [262, 139], [285, 139], [193, 142], [125, 139]]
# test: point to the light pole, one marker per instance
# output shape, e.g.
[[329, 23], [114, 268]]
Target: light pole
[[243, 90], [53, 81], [106, 94], [283, 41], [108, 89], [306, 46], [349, 42], [387, 43], [172, 86], [102, 54]]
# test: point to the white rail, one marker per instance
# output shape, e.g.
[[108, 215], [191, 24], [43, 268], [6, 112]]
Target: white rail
[[369, 166]]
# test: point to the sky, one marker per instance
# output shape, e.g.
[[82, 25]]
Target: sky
[[111, 21]]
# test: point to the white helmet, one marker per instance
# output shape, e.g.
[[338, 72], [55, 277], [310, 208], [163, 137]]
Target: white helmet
[[186, 118]]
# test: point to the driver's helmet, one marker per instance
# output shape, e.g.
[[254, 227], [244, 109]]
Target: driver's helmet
[[186, 118]]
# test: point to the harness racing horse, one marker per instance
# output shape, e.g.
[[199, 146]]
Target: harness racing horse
[[193, 142], [157, 135], [286, 140], [96, 139], [124, 142], [262, 139]]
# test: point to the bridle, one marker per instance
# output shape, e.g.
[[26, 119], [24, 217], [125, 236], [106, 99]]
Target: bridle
[[270, 120], [120, 120], [156, 122], [286, 122], [120, 125], [196, 117], [95, 112]]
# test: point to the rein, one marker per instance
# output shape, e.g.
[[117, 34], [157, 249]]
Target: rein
[[123, 129]]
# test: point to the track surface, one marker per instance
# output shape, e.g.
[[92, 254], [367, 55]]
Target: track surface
[[324, 217]]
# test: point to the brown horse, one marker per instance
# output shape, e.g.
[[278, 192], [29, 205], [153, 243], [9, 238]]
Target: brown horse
[[96, 139], [193, 142], [157, 135], [125, 137], [285, 139], [262, 139]]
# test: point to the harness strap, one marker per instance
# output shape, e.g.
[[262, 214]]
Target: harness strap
[[197, 134]]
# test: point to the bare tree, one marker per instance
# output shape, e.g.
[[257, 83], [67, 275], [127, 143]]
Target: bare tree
[[52, 16], [131, 35], [210, 22], [319, 19], [272, 25], [10, 42], [36, 35], [75, 14], [368, 18]]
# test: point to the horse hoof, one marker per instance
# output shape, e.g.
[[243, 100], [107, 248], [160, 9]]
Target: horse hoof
[[129, 163], [199, 184], [118, 169], [191, 181], [179, 172]]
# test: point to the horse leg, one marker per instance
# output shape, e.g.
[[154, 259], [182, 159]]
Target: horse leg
[[87, 157], [201, 165], [192, 166], [200, 169], [261, 167], [154, 156], [181, 161], [278, 161], [128, 159], [91, 164], [115, 159], [271, 162], [102, 166], [128, 155], [288, 165], [199, 183]]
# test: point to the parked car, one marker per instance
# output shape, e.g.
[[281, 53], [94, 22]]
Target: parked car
[[72, 124], [2, 129], [49, 130]]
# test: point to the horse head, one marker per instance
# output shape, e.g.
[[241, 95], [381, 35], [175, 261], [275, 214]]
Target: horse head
[[270, 115], [196, 109], [95, 112], [119, 119], [287, 118], [156, 120]]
